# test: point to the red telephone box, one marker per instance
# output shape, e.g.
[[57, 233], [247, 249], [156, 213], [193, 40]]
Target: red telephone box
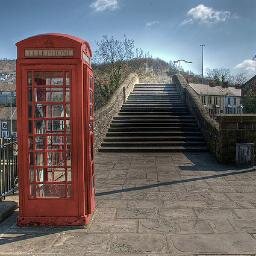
[[55, 130]]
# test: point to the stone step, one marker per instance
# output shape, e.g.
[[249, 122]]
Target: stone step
[[155, 138], [154, 149], [151, 125], [168, 105], [153, 117], [148, 121], [153, 102], [152, 128], [155, 113], [153, 133], [154, 109], [152, 143]]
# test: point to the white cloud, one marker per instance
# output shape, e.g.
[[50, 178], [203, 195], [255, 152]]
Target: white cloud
[[152, 23], [247, 65], [104, 5], [205, 15]]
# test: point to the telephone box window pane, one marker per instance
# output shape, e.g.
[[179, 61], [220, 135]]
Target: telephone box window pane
[[39, 142], [32, 175], [56, 158], [40, 94], [67, 96], [40, 110], [67, 79], [40, 159], [57, 111], [55, 125], [40, 175], [33, 190], [40, 126], [30, 95], [69, 190], [31, 158], [30, 78], [54, 95], [30, 143], [67, 110], [39, 79], [54, 190], [50, 190], [69, 175], [30, 127], [29, 111], [48, 78]]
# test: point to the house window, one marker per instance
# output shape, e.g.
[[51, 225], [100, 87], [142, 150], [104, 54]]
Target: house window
[[5, 134], [203, 100], [4, 126], [209, 100], [234, 101], [215, 100], [229, 101]]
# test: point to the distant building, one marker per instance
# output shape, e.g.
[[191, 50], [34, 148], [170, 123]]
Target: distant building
[[249, 88], [7, 95], [219, 100], [8, 122], [249, 95]]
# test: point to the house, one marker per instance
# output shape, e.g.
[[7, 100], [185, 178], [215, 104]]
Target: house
[[249, 95], [249, 88], [8, 122], [218, 100], [7, 95]]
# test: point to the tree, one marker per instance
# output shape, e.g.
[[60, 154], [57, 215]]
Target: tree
[[114, 53], [173, 69], [240, 79], [249, 103], [220, 76]]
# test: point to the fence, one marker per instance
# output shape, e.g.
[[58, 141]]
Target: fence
[[8, 168]]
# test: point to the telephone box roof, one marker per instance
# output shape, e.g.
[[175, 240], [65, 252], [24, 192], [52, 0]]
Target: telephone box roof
[[53, 36]]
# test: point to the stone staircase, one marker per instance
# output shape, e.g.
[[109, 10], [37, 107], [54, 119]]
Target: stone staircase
[[153, 119]]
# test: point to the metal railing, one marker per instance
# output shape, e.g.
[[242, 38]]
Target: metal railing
[[8, 168]]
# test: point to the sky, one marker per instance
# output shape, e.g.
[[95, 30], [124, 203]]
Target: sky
[[168, 29]]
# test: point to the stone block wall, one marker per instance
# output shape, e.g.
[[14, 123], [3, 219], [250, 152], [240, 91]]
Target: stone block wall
[[221, 135], [104, 115]]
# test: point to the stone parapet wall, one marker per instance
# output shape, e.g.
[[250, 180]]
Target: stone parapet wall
[[104, 115], [236, 129], [221, 136]]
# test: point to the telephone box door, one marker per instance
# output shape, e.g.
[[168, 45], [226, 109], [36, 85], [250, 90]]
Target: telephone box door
[[48, 95]]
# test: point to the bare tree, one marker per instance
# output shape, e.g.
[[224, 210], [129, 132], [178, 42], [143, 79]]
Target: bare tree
[[114, 53], [220, 76], [240, 79]]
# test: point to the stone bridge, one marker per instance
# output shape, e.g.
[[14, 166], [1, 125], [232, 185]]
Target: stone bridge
[[152, 203]]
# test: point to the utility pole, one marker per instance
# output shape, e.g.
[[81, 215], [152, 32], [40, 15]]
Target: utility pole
[[179, 65], [202, 45]]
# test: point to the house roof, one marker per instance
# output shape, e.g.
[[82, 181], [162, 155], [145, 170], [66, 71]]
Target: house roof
[[250, 80], [205, 89], [5, 113]]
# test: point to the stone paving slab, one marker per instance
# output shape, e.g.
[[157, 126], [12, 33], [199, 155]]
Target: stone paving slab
[[7, 208], [154, 205]]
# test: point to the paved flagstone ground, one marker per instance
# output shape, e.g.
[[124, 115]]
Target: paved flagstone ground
[[154, 204]]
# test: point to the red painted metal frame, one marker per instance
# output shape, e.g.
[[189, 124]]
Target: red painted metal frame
[[79, 207]]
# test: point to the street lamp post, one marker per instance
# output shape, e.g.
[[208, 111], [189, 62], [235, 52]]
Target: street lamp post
[[202, 45], [179, 61]]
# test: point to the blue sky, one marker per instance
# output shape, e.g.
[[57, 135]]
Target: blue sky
[[169, 29]]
